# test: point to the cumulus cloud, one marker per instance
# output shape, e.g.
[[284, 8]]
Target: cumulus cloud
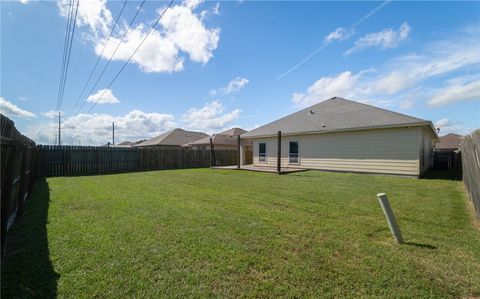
[[11, 110], [96, 129], [456, 93], [405, 75], [446, 126], [385, 39], [326, 87], [103, 96], [210, 118], [339, 34], [50, 114], [180, 34], [91, 13], [233, 86]]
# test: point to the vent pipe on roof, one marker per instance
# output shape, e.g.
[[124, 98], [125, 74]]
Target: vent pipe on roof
[[310, 112]]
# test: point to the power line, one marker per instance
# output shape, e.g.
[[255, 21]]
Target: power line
[[114, 52], [134, 52], [62, 70], [99, 57], [68, 52], [65, 44]]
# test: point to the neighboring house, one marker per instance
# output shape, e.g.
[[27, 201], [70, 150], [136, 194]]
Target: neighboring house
[[447, 151], [173, 139], [343, 135], [224, 140], [448, 143], [124, 144]]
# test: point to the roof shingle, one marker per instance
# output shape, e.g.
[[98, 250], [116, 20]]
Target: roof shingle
[[335, 114]]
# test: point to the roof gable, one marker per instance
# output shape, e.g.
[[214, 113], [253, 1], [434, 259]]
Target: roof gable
[[335, 114], [174, 137], [233, 132], [449, 141]]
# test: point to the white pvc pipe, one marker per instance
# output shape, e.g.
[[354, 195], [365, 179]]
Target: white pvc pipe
[[392, 223]]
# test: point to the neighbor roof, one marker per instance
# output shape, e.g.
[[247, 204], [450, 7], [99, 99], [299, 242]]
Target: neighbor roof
[[234, 132], [449, 141], [217, 139], [174, 137], [336, 114]]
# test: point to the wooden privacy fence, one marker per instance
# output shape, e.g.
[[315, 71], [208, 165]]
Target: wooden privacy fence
[[19, 171], [57, 160], [470, 148]]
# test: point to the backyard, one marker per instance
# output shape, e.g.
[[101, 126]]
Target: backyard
[[228, 233]]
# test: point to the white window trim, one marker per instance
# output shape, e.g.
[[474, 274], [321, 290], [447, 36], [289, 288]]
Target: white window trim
[[264, 161], [298, 157]]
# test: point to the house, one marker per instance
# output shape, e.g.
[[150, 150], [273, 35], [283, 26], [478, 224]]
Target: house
[[173, 139], [446, 151], [226, 140], [448, 143], [123, 144], [343, 135]]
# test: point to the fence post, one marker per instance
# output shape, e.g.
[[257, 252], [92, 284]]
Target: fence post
[[392, 223], [279, 153], [238, 152], [211, 152]]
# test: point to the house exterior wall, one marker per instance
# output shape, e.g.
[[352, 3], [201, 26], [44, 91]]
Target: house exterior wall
[[389, 151], [217, 147], [426, 145]]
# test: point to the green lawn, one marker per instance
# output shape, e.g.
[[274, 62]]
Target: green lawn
[[227, 233]]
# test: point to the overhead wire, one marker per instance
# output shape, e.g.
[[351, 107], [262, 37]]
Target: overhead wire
[[99, 57], [113, 54], [131, 56]]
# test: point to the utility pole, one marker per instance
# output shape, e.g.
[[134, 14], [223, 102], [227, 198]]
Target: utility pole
[[113, 133], [59, 128]]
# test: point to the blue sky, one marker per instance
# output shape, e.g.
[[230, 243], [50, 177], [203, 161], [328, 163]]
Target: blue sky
[[212, 65]]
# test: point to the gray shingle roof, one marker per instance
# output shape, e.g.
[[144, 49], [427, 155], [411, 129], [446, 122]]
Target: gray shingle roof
[[449, 141], [335, 114], [234, 132], [217, 139], [174, 137]]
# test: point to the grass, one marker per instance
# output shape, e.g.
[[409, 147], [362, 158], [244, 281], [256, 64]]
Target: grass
[[227, 233]]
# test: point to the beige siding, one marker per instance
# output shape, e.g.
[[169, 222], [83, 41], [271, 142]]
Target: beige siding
[[392, 151], [425, 142], [217, 147]]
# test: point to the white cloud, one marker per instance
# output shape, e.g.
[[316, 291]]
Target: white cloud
[[385, 39], [92, 13], [96, 129], [457, 93], [232, 86], [446, 126], [103, 96], [325, 88], [24, 1], [11, 110], [339, 34], [50, 114], [401, 79], [210, 118], [216, 9], [180, 32]]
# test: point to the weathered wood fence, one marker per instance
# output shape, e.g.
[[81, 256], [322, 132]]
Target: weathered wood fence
[[19, 171], [66, 160], [470, 148]]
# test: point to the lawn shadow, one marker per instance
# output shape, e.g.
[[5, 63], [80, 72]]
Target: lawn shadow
[[439, 174], [427, 246], [27, 270]]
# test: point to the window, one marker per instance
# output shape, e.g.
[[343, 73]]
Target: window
[[293, 152], [262, 152]]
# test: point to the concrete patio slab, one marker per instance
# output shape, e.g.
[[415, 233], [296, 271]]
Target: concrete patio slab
[[284, 170]]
